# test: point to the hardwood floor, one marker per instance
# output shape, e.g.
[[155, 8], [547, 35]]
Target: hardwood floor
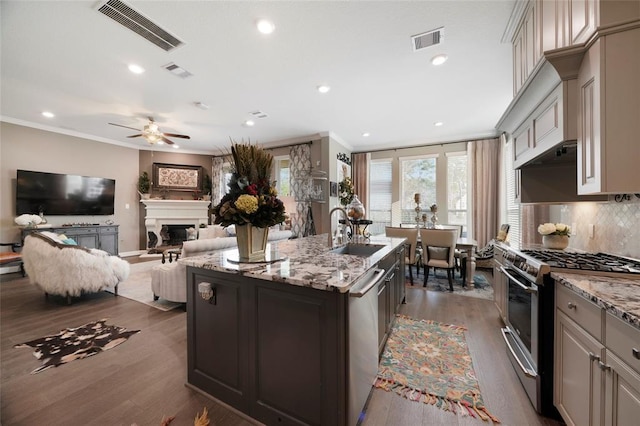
[[143, 379]]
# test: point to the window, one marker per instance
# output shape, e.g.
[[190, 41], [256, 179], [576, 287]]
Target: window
[[226, 178], [418, 176], [513, 208], [380, 187], [457, 189], [282, 175]]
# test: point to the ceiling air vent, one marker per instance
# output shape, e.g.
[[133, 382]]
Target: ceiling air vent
[[177, 70], [259, 114], [138, 23], [428, 39]]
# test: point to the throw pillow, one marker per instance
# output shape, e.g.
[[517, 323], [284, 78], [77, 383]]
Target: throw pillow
[[438, 253], [192, 234], [231, 230]]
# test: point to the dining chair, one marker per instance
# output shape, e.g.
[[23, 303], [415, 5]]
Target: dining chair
[[438, 251], [484, 256], [460, 255], [411, 234]]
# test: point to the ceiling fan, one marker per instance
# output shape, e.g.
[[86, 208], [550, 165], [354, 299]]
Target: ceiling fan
[[151, 132]]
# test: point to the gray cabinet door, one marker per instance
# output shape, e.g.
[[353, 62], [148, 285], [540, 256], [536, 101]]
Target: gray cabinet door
[[109, 240], [217, 330]]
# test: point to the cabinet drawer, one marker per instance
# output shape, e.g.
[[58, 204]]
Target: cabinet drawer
[[581, 310], [624, 340], [108, 229], [69, 231]]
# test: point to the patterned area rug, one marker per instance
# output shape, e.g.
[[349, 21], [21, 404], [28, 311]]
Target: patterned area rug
[[76, 343], [430, 362], [482, 288]]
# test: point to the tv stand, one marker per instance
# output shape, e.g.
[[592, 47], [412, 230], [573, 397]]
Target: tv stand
[[103, 237]]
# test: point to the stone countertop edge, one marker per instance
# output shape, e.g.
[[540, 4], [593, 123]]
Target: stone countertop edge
[[618, 296], [307, 262]]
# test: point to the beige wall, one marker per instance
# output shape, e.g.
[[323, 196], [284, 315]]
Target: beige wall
[[33, 149], [39, 150]]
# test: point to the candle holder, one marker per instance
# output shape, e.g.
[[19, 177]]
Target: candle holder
[[416, 198]]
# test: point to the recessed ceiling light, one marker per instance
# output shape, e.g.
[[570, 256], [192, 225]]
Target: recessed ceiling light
[[249, 123], [136, 69], [439, 59], [265, 26], [176, 146], [323, 88], [48, 114], [438, 123], [365, 135], [160, 142]]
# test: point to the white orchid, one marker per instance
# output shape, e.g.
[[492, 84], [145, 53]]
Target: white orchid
[[554, 229], [28, 220]]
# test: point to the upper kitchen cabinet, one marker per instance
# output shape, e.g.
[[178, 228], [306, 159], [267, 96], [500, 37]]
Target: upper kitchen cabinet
[[609, 114], [540, 26]]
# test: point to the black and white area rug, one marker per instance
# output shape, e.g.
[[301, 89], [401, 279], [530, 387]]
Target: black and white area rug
[[76, 343]]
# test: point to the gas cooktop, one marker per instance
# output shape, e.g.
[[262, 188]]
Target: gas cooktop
[[587, 263]]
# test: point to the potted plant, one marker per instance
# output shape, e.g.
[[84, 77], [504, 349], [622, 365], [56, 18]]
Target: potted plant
[[206, 187], [144, 185]]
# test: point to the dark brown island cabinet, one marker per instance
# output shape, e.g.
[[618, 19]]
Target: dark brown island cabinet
[[280, 353]]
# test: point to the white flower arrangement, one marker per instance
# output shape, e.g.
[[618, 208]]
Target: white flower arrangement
[[554, 229], [28, 220]]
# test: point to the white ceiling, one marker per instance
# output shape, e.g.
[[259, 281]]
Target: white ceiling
[[66, 57]]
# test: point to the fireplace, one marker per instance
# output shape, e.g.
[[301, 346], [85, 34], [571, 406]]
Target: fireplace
[[180, 214]]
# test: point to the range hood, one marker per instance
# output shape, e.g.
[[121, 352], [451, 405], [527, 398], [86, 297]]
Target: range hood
[[552, 178], [542, 123]]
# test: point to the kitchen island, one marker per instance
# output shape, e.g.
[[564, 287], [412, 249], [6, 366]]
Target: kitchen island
[[278, 340]]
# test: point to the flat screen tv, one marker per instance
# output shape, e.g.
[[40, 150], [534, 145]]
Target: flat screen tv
[[63, 195]]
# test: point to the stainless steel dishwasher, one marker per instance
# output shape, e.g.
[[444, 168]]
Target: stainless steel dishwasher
[[363, 341]]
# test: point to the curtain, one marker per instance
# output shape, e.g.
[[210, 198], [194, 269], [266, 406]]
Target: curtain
[[360, 176], [300, 168], [483, 158], [217, 180]]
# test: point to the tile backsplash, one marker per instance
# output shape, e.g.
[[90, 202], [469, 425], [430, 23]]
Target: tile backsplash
[[615, 226]]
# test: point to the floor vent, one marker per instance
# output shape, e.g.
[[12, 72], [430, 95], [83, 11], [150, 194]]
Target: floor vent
[[138, 23], [428, 39]]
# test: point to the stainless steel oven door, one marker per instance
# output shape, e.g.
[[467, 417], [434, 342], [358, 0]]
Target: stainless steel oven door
[[521, 332], [522, 312]]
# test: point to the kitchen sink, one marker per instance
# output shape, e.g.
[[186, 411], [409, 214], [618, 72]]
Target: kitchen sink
[[364, 250]]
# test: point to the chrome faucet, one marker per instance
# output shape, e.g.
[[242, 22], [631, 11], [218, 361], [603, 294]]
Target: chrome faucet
[[346, 221]]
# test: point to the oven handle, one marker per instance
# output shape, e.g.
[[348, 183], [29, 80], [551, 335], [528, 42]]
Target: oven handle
[[525, 370], [528, 289]]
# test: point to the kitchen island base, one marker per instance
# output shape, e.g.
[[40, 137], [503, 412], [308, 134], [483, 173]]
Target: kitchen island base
[[272, 351]]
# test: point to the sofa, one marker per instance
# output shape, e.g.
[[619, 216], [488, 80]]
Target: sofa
[[169, 281], [58, 266]]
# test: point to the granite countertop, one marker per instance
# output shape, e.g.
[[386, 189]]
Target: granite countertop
[[306, 262], [619, 296]]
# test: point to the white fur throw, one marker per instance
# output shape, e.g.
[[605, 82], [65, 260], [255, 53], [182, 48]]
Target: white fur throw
[[70, 270]]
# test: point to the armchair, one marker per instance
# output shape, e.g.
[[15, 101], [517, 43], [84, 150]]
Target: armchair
[[70, 270]]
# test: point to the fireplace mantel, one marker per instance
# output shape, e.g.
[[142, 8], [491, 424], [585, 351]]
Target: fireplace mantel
[[174, 212]]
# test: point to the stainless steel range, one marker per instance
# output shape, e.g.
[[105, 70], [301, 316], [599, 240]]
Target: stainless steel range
[[530, 310]]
